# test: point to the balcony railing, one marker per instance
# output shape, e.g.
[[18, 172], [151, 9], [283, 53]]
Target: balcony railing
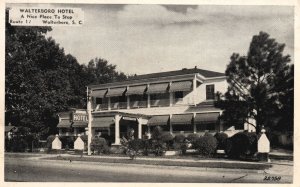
[[138, 104], [103, 106], [159, 102], [118, 105]]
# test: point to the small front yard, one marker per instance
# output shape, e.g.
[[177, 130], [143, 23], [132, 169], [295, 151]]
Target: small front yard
[[184, 161]]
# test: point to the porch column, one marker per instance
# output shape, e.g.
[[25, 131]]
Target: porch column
[[139, 128], [89, 111], [171, 96], [148, 98], [75, 131], [149, 132], [194, 124], [194, 90], [117, 129], [109, 104], [171, 127], [128, 102]]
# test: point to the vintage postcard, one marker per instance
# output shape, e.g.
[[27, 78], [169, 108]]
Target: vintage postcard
[[149, 92]]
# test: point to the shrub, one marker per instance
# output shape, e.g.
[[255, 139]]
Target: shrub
[[158, 147], [136, 145], [179, 138], [157, 133], [241, 145], [99, 145], [221, 138], [16, 144], [206, 145], [181, 146], [192, 137], [167, 138]]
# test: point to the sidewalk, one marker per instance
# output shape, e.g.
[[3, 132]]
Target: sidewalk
[[281, 154]]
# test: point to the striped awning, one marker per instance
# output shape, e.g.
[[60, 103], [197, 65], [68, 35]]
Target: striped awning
[[103, 122], [98, 93], [158, 120], [79, 124], [136, 90], [158, 88], [115, 92], [181, 119], [207, 117], [64, 124], [181, 86]]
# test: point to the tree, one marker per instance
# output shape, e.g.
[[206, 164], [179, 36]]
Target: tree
[[260, 84], [102, 72]]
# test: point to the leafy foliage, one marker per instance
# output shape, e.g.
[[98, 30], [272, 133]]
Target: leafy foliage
[[206, 145], [221, 139], [241, 145], [260, 85], [99, 145]]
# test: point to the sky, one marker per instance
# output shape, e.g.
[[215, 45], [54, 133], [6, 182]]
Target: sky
[[142, 39]]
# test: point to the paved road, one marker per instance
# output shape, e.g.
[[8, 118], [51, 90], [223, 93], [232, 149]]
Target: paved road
[[33, 169]]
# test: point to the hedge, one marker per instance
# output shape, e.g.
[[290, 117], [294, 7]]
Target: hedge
[[241, 145], [206, 145], [99, 145], [221, 139]]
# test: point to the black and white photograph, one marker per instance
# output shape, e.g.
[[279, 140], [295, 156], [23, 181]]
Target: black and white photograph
[[148, 93]]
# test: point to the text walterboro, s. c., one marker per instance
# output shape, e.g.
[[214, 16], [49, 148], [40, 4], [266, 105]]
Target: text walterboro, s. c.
[[20, 16]]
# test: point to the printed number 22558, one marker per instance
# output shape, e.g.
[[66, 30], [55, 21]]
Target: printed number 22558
[[272, 178]]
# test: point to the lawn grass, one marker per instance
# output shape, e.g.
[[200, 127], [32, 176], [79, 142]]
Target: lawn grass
[[228, 165]]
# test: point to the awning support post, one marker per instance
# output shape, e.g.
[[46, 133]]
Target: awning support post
[[194, 124], [139, 128], [117, 129]]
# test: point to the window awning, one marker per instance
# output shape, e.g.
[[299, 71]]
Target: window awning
[[98, 93], [64, 124], [79, 124], [181, 86], [182, 119], [136, 90], [103, 122], [207, 117], [115, 92], [158, 88], [158, 120]]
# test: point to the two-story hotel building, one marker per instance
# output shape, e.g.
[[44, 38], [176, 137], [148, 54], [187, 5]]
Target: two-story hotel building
[[178, 101]]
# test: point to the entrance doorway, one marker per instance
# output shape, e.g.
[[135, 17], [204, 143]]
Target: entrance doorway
[[126, 126]]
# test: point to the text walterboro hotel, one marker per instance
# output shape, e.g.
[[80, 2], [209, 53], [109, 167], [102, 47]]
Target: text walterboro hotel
[[20, 16]]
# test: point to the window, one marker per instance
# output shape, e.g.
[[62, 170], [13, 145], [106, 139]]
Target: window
[[210, 92], [205, 127], [99, 101], [182, 127], [179, 95]]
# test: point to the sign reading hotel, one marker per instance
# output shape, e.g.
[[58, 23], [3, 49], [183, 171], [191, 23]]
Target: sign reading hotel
[[80, 117], [19, 16]]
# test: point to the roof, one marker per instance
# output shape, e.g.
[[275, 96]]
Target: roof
[[204, 73], [184, 71]]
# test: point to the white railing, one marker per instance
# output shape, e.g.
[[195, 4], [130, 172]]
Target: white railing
[[138, 104]]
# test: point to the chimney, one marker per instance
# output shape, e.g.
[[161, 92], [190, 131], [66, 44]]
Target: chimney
[[195, 67]]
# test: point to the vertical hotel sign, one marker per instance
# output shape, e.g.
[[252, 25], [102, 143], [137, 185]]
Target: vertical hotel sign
[[20, 16]]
